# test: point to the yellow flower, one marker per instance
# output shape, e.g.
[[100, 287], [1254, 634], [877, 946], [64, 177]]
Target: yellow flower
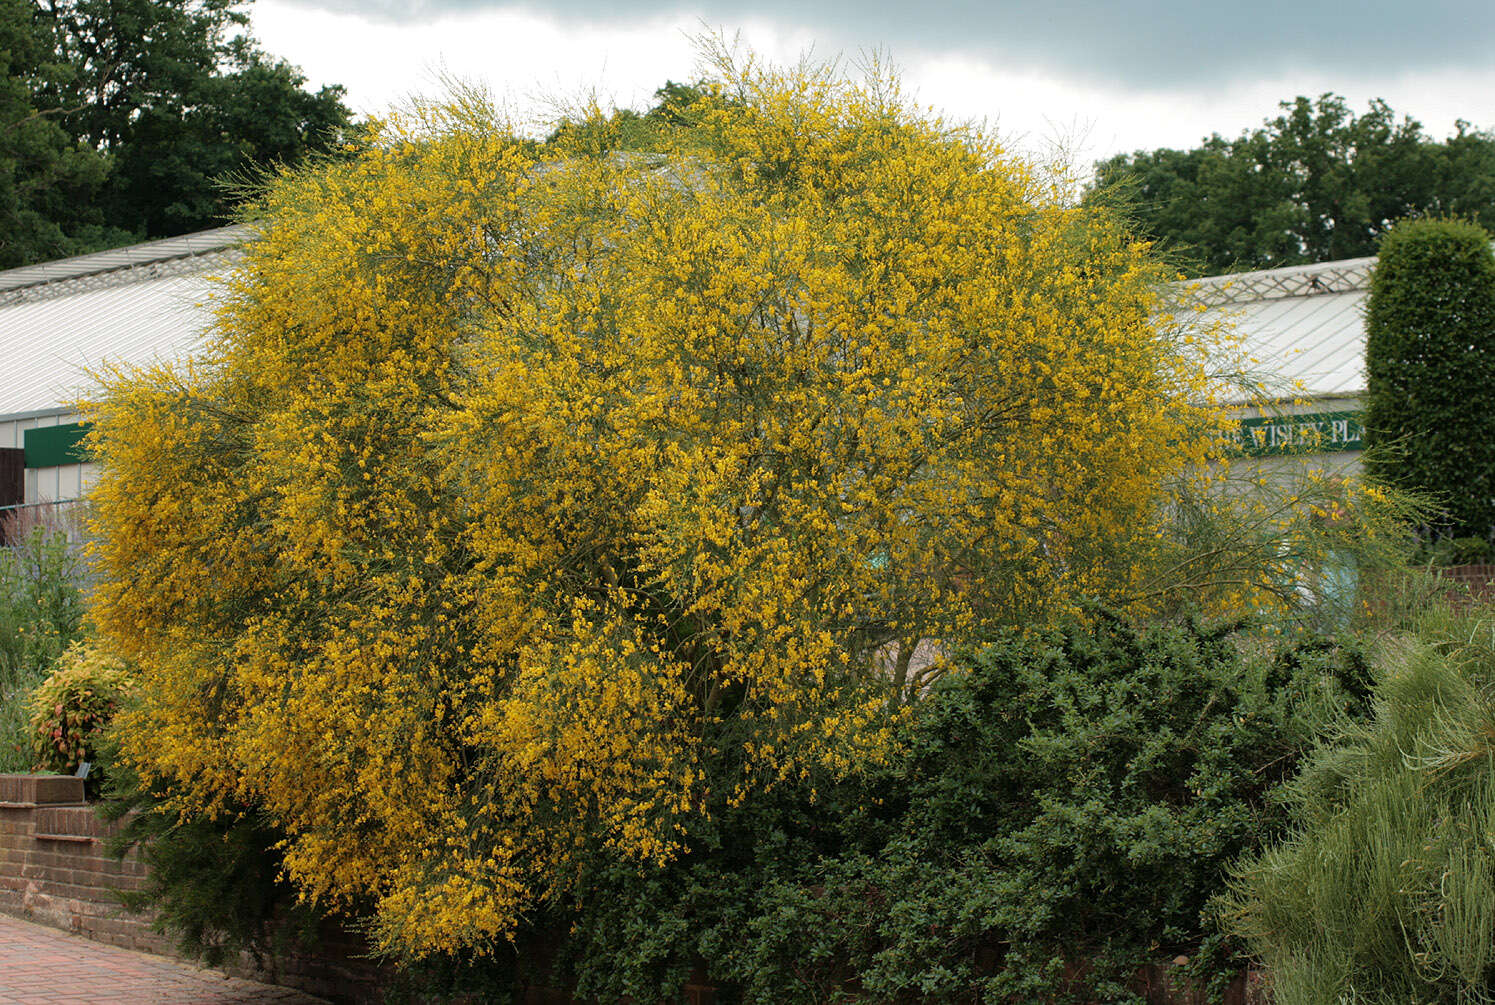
[[518, 482]]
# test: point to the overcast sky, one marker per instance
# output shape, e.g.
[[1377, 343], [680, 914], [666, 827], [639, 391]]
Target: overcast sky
[[1097, 77]]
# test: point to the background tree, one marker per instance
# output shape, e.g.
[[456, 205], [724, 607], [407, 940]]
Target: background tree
[[129, 56], [1430, 361], [49, 181], [673, 110], [133, 119], [533, 498], [1316, 183], [185, 165]]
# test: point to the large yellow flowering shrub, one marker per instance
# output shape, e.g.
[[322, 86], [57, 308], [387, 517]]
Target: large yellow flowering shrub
[[528, 498]]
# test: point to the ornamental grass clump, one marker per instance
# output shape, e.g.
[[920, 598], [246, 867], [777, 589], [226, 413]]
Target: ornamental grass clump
[[529, 499]]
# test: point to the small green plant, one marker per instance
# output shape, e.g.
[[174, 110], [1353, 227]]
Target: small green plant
[[41, 604], [15, 751], [71, 707]]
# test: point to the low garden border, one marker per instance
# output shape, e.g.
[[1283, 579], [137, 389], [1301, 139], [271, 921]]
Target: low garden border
[[54, 870]]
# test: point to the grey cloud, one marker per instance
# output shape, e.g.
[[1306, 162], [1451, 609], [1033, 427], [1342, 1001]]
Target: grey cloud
[[1138, 44]]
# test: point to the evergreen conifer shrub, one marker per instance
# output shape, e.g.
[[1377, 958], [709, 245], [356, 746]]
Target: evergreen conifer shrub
[[1061, 813], [1430, 363], [1384, 890]]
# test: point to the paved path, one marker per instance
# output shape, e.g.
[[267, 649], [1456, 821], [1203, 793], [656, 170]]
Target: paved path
[[44, 966]]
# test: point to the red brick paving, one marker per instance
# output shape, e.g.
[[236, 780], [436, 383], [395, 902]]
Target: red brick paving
[[44, 966]]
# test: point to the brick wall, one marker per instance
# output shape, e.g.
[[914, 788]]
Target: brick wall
[[54, 870], [1480, 579]]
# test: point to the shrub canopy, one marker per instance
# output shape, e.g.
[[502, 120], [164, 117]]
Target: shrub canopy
[[526, 498], [1430, 361], [73, 705]]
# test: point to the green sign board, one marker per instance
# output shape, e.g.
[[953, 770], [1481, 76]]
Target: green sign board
[[1310, 433], [52, 446]]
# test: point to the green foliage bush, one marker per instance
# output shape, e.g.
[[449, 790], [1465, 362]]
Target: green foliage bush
[[1385, 891], [1067, 797], [73, 705], [41, 613], [41, 604], [1430, 362]]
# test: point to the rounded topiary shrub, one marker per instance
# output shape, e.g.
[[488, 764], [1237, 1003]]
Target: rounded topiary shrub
[[1430, 363], [74, 703]]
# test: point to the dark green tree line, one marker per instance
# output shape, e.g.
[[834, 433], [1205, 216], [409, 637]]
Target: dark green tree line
[[1316, 183], [124, 120], [48, 178]]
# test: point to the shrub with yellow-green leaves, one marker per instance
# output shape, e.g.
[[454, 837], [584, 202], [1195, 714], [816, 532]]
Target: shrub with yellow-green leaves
[[529, 498], [72, 706]]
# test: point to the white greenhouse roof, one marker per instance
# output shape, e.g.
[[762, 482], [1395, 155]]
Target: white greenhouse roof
[[1301, 328], [132, 306]]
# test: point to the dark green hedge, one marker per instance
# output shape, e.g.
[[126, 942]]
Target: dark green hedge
[[1067, 797], [1430, 364]]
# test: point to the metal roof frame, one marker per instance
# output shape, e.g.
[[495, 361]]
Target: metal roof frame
[[132, 257]]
